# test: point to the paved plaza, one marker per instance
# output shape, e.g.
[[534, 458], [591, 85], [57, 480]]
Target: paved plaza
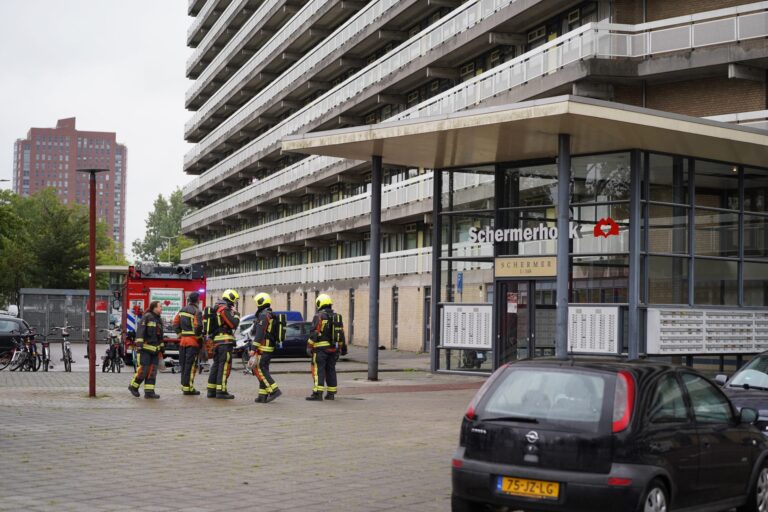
[[379, 446]]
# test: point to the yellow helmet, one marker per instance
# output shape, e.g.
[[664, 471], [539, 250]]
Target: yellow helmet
[[262, 299], [323, 300], [230, 295]]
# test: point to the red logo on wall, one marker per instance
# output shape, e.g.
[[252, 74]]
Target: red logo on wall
[[606, 227]]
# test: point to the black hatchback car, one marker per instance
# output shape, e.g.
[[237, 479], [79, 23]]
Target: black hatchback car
[[589, 434], [748, 387], [10, 328]]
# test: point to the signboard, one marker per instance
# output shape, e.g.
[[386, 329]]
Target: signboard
[[593, 330], [466, 326], [706, 331], [101, 306], [541, 266], [171, 301], [460, 282]]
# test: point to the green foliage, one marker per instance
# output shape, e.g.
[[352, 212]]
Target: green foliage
[[164, 228], [44, 244]]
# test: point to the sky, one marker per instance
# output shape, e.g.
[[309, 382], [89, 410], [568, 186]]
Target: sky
[[116, 65]]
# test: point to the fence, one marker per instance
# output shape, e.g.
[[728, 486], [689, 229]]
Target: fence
[[46, 308]]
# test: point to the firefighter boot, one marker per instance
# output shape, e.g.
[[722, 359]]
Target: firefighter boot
[[151, 394], [211, 393], [273, 395], [134, 391], [316, 396], [330, 396], [224, 395], [194, 392], [261, 399]]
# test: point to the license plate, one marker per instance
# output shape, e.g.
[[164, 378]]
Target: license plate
[[529, 488]]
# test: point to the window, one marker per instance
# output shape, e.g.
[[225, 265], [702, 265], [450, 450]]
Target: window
[[709, 405], [668, 404]]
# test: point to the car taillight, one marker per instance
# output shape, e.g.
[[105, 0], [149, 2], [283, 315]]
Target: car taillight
[[619, 482], [457, 463], [623, 401], [470, 414]]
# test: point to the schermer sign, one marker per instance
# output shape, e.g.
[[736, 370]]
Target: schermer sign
[[603, 228]]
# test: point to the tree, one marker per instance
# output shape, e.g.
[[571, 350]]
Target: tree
[[164, 229], [44, 244]]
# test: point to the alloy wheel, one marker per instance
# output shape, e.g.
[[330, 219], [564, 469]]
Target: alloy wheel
[[656, 500], [762, 490]]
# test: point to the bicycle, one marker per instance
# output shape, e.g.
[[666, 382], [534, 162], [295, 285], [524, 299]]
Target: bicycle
[[66, 346], [24, 356], [113, 360]]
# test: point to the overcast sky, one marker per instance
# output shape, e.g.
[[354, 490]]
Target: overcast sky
[[116, 65]]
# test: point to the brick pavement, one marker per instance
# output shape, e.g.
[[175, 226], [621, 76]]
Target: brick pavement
[[380, 446]]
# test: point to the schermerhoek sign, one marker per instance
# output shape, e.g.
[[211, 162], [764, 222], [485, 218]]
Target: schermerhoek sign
[[603, 228]]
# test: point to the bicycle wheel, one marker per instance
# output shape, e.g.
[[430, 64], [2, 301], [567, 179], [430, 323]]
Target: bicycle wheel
[[18, 363], [119, 364], [105, 365], [5, 359], [33, 363], [68, 361], [46, 361]]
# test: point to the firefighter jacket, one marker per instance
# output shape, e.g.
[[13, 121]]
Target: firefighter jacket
[[226, 321], [327, 332], [149, 333], [188, 324], [262, 332]]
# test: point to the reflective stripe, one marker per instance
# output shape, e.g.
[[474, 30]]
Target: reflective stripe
[[151, 324], [188, 333], [149, 387], [319, 344], [266, 348], [188, 315]]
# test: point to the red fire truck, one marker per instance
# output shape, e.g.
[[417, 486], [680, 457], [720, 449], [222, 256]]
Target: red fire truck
[[171, 285]]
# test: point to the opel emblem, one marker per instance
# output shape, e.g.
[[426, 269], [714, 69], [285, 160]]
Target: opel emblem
[[532, 437]]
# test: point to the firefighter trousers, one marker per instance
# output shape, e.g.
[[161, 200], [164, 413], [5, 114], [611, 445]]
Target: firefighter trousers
[[324, 371], [220, 368], [188, 363], [267, 384], [146, 371]]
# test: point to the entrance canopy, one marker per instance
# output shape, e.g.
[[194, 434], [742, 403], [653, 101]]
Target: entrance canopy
[[530, 130]]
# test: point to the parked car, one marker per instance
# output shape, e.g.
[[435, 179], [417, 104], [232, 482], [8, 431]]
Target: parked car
[[295, 344], [10, 328], [593, 434], [748, 387]]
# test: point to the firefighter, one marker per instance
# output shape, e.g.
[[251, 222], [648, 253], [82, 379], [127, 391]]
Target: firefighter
[[264, 341], [326, 342], [149, 346], [188, 324], [225, 322]]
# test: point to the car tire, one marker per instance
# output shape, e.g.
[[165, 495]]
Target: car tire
[[462, 505], [655, 498], [758, 497]]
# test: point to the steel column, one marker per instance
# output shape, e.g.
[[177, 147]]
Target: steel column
[[437, 247], [633, 330], [375, 277], [563, 242], [92, 289]]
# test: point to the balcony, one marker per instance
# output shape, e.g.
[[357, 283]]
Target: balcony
[[412, 261], [374, 14], [347, 214], [756, 119], [291, 34], [219, 35], [194, 6], [205, 20], [596, 40]]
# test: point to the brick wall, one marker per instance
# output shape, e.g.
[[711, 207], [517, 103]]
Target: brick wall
[[628, 94], [707, 97], [627, 11]]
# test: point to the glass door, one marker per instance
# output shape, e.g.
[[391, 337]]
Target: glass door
[[525, 319]]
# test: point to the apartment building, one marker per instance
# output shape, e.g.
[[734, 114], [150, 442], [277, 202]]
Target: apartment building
[[296, 226], [50, 157]]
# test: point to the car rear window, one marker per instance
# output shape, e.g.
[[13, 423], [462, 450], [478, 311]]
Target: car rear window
[[549, 396]]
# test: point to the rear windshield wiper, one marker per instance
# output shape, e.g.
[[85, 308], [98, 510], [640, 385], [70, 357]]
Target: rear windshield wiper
[[521, 419]]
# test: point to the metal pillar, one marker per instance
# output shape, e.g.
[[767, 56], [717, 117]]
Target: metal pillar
[[563, 242], [437, 248], [634, 257], [375, 277]]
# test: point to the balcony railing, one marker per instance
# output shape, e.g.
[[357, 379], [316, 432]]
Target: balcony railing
[[294, 76], [590, 41], [412, 261], [286, 32], [201, 17], [754, 119], [405, 192], [211, 35]]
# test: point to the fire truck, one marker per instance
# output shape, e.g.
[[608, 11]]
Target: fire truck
[[170, 285]]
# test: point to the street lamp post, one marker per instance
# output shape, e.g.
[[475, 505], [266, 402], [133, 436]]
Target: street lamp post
[[92, 281], [169, 238]]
